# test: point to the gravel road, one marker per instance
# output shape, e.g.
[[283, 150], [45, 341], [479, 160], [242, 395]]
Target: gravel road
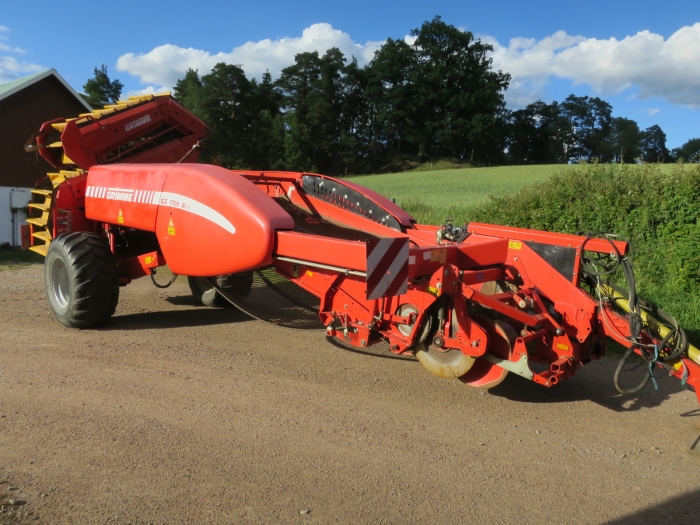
[[176, 413]]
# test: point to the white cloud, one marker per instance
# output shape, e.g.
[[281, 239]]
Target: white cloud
[[11, 68], [646, 64], [165, 64], [653, 111], [657, 67], [9, 49]]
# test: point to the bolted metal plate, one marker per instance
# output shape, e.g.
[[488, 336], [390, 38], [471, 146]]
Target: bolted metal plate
[[561, 258]]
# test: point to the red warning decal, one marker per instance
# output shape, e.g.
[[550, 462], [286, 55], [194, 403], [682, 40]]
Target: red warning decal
[[387, 267]]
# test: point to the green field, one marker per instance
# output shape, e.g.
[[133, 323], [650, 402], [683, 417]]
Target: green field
[[433, 196]]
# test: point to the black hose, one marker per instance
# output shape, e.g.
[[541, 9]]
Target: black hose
[[635, 315], [675, 343], [618, 371], [158, 285]]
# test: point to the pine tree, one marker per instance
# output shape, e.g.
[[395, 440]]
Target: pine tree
[[100, 90]]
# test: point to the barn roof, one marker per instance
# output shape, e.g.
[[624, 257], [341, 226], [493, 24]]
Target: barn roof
[[13, 87]]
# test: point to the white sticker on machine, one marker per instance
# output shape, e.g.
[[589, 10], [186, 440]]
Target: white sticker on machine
[[166, 199]]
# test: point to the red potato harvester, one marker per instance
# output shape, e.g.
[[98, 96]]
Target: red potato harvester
[[473, 302]]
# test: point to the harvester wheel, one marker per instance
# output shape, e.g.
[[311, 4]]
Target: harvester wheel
[[445, 363], [484, 374], [80, 275], [204, 292], [237, 285]]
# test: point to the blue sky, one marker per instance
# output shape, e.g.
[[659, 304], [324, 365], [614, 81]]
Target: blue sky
[[643, 57]]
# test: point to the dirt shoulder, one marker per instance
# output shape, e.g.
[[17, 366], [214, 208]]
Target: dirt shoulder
[[182, 414]]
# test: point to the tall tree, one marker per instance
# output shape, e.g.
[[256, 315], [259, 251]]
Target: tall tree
[[689, 152], [298, 86], [355, 119], [625, 140], [229, 113], [441, 92], [391, 95], [322, 99], [100, 90], [654, 145], [267, 125], [188, 92], [536, 134], [589, 120], [460, 98]]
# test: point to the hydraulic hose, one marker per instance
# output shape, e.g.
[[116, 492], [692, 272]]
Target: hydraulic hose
[[649, 320]]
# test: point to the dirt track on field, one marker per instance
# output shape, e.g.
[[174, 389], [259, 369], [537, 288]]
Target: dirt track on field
[[176, 413]]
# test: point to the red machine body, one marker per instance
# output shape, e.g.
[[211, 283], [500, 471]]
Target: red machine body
[[143, 130], [207, 221], [472, 303], [556, 322]]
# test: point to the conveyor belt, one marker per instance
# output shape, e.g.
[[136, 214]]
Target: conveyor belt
[[305, 222]]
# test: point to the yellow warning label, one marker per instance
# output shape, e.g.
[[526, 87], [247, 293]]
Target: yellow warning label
[[148, 260], [120, 217], [309, 273], [434, 291], [515, 245], [171, 227], [561, 346]]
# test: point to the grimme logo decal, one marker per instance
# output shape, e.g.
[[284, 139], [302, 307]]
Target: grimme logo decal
[[137, 123], [161, 198], [119, 194]]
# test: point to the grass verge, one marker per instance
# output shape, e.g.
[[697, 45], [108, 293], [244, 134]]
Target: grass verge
[[14, 259]]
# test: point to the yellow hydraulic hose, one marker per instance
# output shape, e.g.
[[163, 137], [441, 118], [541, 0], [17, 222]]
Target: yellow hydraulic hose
[[660, 328]]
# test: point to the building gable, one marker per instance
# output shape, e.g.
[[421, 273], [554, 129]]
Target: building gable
[[25, 104]]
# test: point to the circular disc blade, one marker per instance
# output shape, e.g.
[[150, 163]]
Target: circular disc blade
[[485, 374], [448, 365]]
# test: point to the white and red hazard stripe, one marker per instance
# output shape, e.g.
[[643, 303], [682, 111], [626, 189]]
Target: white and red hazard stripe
[[387, 267]]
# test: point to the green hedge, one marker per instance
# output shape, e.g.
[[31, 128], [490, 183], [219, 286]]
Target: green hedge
[[656, 208]]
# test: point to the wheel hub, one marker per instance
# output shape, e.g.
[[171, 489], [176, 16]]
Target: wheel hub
[[60, 283]]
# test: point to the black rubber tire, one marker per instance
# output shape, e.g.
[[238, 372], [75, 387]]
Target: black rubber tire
[[238, 285], [204, 292], [82, 284]]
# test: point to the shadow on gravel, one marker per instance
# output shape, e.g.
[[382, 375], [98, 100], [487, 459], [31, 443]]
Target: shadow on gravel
[[175, 319], [682, 510], [598, 388], [185, 300], [376, 350]]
